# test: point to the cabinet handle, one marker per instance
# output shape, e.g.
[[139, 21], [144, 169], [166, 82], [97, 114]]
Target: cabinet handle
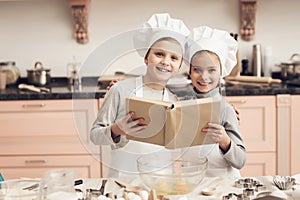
[[35, 161], [238, 102], [39, 105]]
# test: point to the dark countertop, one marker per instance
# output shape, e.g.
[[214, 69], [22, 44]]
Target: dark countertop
[[90, 90]]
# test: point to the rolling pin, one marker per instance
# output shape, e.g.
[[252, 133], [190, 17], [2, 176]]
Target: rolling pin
[[253, 79]]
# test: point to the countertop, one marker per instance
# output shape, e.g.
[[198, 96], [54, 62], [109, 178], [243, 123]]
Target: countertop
[[91, 90]]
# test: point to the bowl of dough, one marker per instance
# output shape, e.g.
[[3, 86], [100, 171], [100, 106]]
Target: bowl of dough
[[20, 189], [168, 174]]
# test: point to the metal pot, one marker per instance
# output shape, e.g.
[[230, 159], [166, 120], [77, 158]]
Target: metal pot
[[291, 69], [39, 75]]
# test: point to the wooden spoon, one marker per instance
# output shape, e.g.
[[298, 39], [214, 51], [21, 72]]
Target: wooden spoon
[[210, 189]]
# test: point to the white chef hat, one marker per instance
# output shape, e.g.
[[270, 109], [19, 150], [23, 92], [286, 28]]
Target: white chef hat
[[218, 41], [159, 26]]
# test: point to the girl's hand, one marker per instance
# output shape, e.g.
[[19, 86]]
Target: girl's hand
[[218, 134], [127, 125], [237, 112]]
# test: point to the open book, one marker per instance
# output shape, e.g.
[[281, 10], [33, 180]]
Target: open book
[[174, 124]]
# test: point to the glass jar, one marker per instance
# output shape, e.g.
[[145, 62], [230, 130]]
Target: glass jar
[[11, 70]]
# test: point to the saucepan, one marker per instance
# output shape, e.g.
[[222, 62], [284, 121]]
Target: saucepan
[[39, 75], [291, 69]]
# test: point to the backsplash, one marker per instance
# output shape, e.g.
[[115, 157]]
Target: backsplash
[[42, 30]]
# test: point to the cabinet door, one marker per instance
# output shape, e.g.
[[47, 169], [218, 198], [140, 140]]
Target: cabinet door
[[295, 134], [12, 167], [258, 129], [258, 121], [47, 126], [259, 164]]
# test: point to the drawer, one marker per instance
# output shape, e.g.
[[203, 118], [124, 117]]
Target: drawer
[[13, 167], [47, 126]]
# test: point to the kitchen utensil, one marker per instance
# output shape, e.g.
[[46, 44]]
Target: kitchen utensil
[[16, 189], [171, 175], [284, 182], [33, 88], [291, 68], [211, 188], [39, 75], [128, 188], [253, 79]]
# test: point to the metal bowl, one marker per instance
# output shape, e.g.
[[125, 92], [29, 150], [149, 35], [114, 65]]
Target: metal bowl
[[169, 175], [284, 182]]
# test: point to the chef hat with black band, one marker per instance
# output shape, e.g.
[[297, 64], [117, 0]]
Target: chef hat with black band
[[218, 41], [159, 26]]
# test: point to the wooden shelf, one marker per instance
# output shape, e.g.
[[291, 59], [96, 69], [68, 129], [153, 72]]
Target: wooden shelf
[[79, 11]]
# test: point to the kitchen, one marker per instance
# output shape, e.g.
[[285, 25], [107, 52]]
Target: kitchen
[[42, 31]]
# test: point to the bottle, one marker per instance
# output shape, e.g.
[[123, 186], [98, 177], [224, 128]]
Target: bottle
[[267, 61], [245, 63], [257, 60]]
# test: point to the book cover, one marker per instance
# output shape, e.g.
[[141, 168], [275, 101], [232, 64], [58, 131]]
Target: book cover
[[174, 124]]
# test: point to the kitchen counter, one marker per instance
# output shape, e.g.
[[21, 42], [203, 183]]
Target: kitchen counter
[[90, 89]]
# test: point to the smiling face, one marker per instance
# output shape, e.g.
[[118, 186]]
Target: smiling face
[[163, 61], [205, 71]]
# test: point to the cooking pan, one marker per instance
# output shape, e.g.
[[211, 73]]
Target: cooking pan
[[39, 75], [290, 69]]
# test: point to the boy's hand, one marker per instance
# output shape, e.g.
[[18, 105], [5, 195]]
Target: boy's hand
[[127, 125]]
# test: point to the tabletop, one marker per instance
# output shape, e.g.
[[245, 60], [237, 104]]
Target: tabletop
[[225, 188]]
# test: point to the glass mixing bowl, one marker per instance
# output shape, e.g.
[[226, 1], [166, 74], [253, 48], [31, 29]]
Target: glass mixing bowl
[[171, 176]]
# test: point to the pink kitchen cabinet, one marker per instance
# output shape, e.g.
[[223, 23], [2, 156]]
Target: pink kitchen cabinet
[[288, 107], [295, 134], [258, 129], [38, 135]]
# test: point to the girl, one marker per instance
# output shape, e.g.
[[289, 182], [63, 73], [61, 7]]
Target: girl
[[212, 55], [161, 42]]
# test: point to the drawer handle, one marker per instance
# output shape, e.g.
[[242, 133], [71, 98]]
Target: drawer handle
[[35, 161], [40, 105], [238, 102]]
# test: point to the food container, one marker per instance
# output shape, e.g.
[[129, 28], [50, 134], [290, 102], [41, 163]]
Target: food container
[[39, 75], [11, 71], [20, 189], [171, 175]]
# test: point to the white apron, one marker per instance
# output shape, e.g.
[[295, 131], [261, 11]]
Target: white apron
[[124, 160]]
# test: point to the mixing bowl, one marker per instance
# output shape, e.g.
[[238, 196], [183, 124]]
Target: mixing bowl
[[19, 189], [171, 176]]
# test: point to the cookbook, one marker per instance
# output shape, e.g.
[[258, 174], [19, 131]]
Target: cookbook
[[174, 124]]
